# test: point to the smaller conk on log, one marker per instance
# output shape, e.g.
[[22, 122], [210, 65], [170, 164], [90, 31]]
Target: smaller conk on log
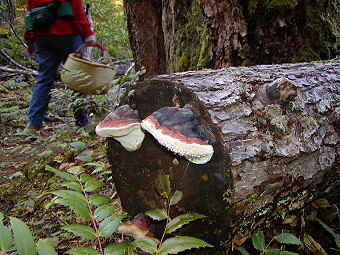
[[124, 126]]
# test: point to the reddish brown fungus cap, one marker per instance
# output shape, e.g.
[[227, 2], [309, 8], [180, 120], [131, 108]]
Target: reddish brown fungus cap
[[139, 227], [178, 130], [123, 124], [119, 122]]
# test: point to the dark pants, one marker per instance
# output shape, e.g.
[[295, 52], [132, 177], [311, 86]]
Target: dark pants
[[51, 51]]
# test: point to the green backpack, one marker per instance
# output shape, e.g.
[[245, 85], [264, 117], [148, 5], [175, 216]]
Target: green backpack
[[44, 15]]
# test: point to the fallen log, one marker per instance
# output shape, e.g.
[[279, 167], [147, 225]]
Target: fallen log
[[275, 135]]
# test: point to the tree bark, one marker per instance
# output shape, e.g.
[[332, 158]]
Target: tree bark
[[178, 35], [145, 34], [7, 12], [276, 145]]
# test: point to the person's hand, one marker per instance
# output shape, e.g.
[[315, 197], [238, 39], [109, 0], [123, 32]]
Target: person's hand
[[92, 42], [95, 44]]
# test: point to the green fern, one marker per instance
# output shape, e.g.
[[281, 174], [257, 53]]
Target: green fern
[[281, 3]]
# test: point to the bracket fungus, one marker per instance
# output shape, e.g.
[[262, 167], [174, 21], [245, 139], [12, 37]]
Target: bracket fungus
[[179, 131], [124, 125], [138, 228]]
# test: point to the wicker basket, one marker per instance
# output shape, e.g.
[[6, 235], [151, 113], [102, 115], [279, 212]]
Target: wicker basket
[[87, 77]]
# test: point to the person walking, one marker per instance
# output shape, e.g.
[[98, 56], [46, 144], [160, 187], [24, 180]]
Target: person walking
[[51, 45]]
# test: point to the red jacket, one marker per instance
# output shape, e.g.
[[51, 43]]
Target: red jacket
[[78, 24]]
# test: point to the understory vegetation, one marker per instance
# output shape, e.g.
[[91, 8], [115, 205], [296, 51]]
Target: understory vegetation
[[56, 191]]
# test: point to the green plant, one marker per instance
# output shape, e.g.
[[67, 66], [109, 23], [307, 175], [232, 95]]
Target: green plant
[[259, 243], [18, 237], [281, 3], [172, 245], [103, 220], [110, 26], [330, 231], [80, 194]]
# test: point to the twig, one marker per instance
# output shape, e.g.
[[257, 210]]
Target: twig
[[130, 69], [12, 61], [10, 70], [93, 220], [17, 36], [9, 98], [3, 76], [122, 61], [12, 16]]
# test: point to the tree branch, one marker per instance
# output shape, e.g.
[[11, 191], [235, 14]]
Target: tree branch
[[10, 70], [12, 61]]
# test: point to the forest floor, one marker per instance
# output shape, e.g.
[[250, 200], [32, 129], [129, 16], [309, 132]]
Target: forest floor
[[25, 185]]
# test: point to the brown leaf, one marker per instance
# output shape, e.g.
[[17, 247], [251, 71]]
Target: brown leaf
[[290, 220], [66, 165], [239, 240], [321, 203], [313, 246]]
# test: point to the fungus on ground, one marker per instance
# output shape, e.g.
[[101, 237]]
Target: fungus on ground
[[179, 131], [138, 228], [123, 124]]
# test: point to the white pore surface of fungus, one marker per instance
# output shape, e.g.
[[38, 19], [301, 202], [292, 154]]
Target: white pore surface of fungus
[[194, 152], [129, 136]]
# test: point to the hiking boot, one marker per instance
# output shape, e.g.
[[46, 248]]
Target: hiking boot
[[82, 124], [31, 130], [51, 119]]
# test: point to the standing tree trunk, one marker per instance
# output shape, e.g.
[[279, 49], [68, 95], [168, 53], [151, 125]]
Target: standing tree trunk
[[7, 17], [178, 35], [7, 12], [146, 35], [275, 134]]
